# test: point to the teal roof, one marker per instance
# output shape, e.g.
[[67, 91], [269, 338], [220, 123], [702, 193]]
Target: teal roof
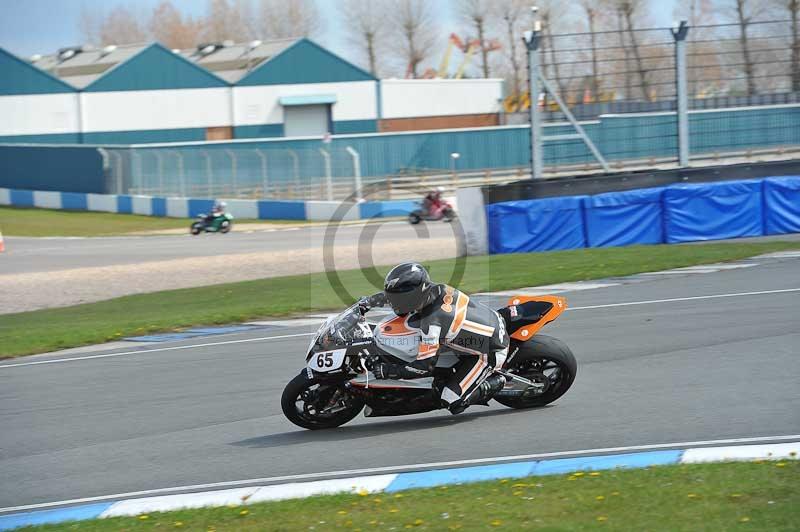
[[307, 99], [154, 68], [20, 77], [304, 62]]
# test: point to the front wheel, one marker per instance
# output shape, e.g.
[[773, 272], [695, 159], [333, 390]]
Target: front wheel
[[225, 226], [414, 218], [546, 361], [314, 405]]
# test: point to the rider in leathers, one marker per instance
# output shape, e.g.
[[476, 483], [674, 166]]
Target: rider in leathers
[[445, 317]]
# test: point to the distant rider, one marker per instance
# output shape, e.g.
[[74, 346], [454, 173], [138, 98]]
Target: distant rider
[[444, 317], [432, 202], [217, 210]]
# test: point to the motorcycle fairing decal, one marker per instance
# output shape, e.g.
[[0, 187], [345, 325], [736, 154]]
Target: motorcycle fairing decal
[[559, 306], [398, 326], [429, 343]]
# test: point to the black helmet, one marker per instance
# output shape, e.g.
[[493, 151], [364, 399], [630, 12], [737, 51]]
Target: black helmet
[[408, 288]]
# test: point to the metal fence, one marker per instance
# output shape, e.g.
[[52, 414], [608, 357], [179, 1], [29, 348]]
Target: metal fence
[[638, 95]]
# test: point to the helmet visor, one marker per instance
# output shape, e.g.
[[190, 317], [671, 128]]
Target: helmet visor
[[405, 301]]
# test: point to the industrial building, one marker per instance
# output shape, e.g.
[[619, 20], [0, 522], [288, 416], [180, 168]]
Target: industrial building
[[136, 94]]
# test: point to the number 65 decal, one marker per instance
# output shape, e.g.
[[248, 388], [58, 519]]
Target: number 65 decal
[[327, 360]]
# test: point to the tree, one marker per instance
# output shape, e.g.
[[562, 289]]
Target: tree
[[510, 15], [283, 19], [122, 25], [226, 21], [365, 25], [169, 27], [792, 9], [413, 21], [591, 19], [478, 14]]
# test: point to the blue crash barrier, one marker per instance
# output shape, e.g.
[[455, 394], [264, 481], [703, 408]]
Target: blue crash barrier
[[677, 213], [536, 225], [624, 218], [713, 211], [782, 205]]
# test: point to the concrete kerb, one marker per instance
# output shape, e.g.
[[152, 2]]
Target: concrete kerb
[[11, 518]]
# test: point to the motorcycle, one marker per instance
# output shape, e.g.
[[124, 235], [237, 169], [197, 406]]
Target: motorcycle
[[335, 386], [218, 224], [443, 211]]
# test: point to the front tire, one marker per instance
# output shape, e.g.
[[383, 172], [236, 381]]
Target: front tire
[[545, 360], [302, 395], [225, 227], [414, 218]]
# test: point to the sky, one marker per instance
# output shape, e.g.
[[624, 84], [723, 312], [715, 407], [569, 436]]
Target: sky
[[30, 27]]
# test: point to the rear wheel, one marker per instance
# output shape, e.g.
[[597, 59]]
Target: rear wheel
[[546, 361], [196, 228], [312, 404], [448, 215]]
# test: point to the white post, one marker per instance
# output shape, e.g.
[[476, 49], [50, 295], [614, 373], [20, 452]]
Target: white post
[[232, 155], [356, 171], [328, 179], [160, 168], [181, 176], [264, 176]]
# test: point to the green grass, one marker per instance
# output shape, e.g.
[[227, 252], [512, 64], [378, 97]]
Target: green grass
[[51, 329], [734, 496], [17, 221]]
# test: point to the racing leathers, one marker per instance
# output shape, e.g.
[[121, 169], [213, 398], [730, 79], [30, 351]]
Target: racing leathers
[[455, 322]]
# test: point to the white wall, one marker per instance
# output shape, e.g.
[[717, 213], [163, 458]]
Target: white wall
[[406, 98], [36, 114], [261, 104], [158, 109]]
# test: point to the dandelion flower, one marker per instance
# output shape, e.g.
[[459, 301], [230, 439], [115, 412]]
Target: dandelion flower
[[363, 493], [744, 519], [780, 464], [393, 511], [578, 474], [398, 496], [496, 522], [692, 495], [342, 512], [594, 474], [602, 518], [517, 493], [244, 512], [601, 497], [143, 517], [418, 522], [178, 524]]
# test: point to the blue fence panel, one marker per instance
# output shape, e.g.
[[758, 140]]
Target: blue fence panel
[[21, 198], [124, 204], [73, 201], [624, 218], [782, 205], [536, 225], [281, 210], [65, 169], [713, 211], [158, 206]]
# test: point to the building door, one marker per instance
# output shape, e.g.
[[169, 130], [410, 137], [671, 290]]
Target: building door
[[306, 120]]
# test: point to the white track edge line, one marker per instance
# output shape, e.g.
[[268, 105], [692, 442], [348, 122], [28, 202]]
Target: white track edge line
[[402, 468], [264, 338]]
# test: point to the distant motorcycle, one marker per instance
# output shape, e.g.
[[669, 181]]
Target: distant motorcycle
[[443, 211], [217, 224]]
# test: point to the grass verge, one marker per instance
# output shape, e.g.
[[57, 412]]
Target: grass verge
[[20, 221], [59, 328], [733, 496]]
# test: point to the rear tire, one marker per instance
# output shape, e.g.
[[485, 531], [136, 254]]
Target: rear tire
[[449, 215], [556, 356], [305, 419], [196, 228]]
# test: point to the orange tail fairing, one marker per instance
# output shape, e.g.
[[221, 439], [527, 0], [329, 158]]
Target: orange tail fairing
[[559, 306]]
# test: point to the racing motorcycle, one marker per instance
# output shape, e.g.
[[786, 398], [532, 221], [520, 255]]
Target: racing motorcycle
[[336, 385], [218, 224], [443, 211]]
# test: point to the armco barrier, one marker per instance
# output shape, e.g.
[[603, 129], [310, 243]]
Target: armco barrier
[[712, 211], [191, 207], [624, 218], [677, 213], [538, 225], [782, 201]]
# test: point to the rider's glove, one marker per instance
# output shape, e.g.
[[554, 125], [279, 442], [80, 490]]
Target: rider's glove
[[378, 368], [364, 305]]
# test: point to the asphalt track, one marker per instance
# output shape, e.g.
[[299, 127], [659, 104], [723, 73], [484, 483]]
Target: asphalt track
[[675, 371], [27, 254]]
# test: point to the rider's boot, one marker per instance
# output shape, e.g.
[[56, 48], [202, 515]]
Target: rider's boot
[[480, 395]]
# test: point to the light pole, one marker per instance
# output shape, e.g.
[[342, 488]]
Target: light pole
[[532, 40], [453, 158]]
